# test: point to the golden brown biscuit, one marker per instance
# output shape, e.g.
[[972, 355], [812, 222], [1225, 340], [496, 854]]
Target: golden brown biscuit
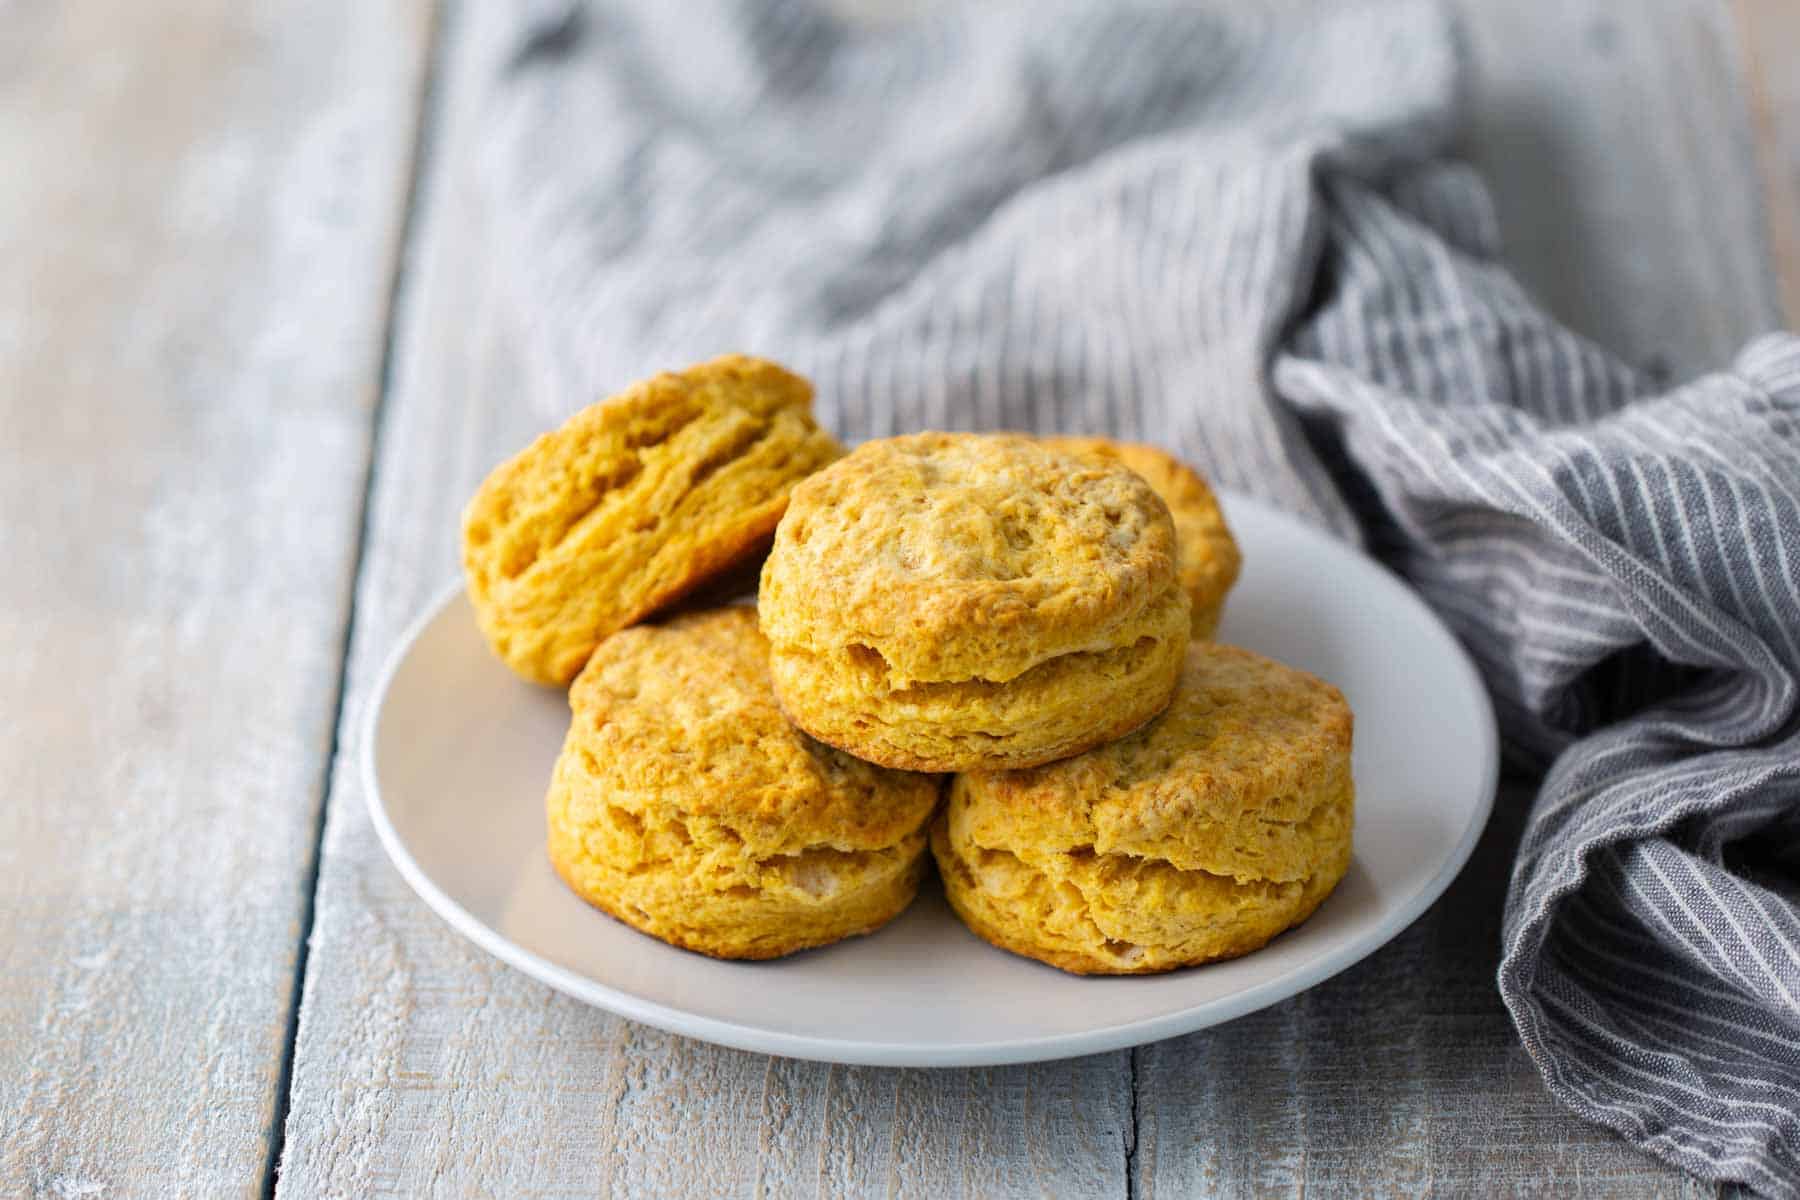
[[957, 601], [1201, 836], [686, 806], [634, 502], [1209, 560]]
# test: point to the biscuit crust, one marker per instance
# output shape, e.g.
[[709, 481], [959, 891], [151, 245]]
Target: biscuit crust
[[959, 601], [1209, 558], [686, 806], [633, 503], [1211, 830], [1058, 708]]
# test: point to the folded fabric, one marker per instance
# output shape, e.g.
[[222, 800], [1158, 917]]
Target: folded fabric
[[1233, 231], [1625, 567]]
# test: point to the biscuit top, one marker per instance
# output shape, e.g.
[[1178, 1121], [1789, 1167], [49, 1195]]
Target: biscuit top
[[1210, 559], [632, 502], [958, 556], [1243, 774], [684, 714], [529, 505]]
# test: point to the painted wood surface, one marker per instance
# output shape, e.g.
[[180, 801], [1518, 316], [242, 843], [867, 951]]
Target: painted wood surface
[[1615, 140], [424, 1067], [1769, 37], [199, 214], [198, 223]]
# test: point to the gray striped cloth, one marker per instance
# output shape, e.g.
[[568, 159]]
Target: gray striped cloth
[[1233, 230]]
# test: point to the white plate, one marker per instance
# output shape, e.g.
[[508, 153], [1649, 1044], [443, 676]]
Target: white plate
[[458, 752]]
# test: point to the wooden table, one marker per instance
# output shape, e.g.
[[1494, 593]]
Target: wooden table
[[252, 358]]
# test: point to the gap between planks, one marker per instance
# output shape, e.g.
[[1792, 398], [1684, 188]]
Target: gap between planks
[[424, 130], [1131, 1122]]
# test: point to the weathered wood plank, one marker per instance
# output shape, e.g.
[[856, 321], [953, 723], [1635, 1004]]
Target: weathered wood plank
[[423, 1066], [1614, 138], [199, 213], [1769, 36]]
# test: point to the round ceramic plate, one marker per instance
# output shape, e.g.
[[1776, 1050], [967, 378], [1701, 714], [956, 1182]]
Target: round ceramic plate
[[458, 753]]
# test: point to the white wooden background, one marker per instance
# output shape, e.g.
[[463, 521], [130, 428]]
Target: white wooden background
[[251, 361]]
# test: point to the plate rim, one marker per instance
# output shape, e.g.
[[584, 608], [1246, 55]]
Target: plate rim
[[1046, 1048]]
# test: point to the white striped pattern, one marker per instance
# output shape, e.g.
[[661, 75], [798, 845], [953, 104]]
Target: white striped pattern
[[1624, 566], [1227, 229]]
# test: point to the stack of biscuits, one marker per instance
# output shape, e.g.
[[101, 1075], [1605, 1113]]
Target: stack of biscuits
[[993, 647]]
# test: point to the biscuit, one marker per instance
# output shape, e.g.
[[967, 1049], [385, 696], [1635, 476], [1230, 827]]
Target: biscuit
[[632, 503], [946, 602], [1208, 556], [1201, 836], [686, 806]]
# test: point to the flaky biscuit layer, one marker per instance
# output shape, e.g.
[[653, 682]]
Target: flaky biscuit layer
[[631, 504], [960, 601], [1201, 836], [686, 805]]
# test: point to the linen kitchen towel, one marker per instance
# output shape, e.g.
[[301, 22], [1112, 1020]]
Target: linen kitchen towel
[[1234, 230]]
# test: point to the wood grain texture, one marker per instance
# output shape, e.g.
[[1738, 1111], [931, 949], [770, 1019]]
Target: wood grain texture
[[1769, 37], [424, 1067], [1614, 138], [199, 214]]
